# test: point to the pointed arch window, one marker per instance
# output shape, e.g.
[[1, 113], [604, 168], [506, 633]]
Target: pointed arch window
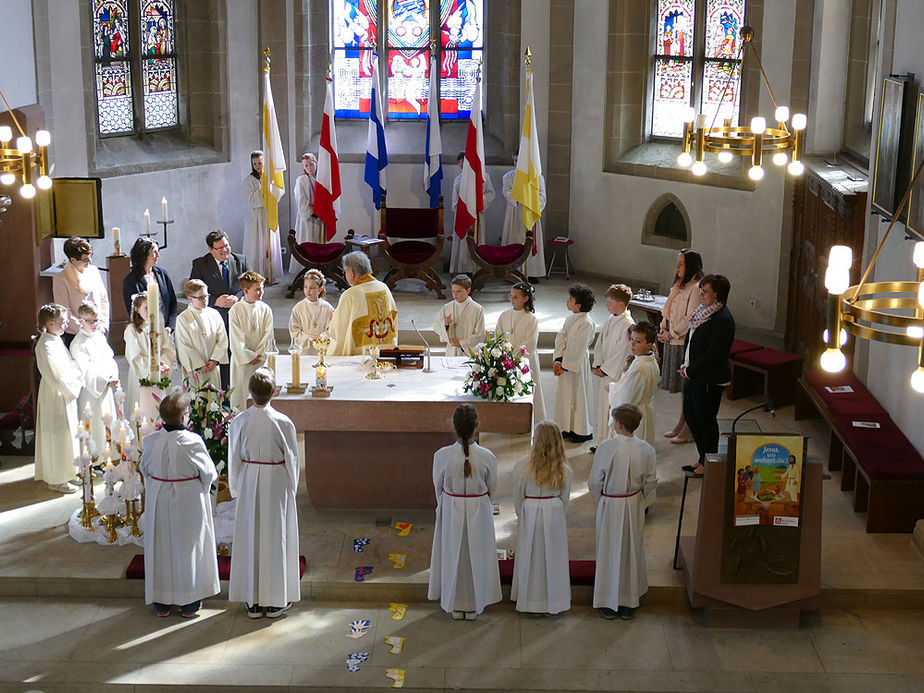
[[135, 62]]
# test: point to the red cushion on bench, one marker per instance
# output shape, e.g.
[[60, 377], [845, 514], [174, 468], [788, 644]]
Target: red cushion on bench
[[855, 403], [767, 358], [320, 252], [135, 570], [885, 452], [739, 346], [582, 572], [500, 254], [411, 252]]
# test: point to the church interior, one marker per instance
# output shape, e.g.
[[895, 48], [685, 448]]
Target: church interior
[[618, 89]]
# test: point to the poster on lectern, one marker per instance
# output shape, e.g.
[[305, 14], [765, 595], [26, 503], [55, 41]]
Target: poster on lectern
[[768, 480]]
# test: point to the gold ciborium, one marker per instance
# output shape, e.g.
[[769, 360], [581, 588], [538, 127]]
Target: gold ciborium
[[375, 372], [321, 345]]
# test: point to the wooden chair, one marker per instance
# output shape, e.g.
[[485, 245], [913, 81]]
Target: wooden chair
[[499, 261], [417, 245], [321, 256]]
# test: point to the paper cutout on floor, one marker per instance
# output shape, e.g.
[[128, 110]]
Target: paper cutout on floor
[[396, 642], [398, 559], [358, 544], [396, 675], [361, 571], [398, 610], [404, 528], [359, 627], [354, 659]]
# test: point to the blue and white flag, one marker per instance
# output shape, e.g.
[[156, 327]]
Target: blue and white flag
[[433, 167], [376, 153]]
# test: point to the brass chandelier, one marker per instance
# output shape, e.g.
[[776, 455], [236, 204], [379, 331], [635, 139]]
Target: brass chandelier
[[18, 164], [784, 143]]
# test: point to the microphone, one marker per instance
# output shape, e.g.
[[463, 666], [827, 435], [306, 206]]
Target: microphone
[[768, 405], [419, 334]]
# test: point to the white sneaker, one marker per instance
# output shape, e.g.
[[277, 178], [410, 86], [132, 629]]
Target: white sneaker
[[470, 615], [457, 615], [62, 488]]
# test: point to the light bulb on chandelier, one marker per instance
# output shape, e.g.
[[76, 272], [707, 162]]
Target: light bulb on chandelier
[[833, 360], [725, 157], [917, 380]]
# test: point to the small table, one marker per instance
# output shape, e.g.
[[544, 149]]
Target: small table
[[363, 243], [652, 310]]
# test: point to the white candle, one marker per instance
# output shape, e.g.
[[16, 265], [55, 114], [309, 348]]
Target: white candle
[[163, 207], [296, 376], [117, 239], [87, 413], [107, 453], [137, 413], [154, 320], [271, 361], [147, 222], [122, 433]]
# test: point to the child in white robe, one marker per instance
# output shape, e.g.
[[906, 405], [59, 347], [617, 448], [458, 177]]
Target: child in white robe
[[639, 383], [138, 352], [201, 339], [263, 475], [520, 324], [56, 444], [541, 491], [250, 333], [93, 356], [308, 227], [180, 562], [460, 323], [311, 316], [572, 366], [610, 352], [623, 473], [464, 574]]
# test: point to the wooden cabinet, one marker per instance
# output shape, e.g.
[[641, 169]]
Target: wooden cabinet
[[829, 208]]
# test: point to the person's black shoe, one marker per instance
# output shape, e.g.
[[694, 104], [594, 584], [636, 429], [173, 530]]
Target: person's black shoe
[[581, 439], [626, 613], [254, 611], [688, 468], [608, 613], [277, 611], [566, 435], [593, 448]]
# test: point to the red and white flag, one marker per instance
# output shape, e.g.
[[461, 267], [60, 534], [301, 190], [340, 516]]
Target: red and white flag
[[327, 185], [471, 190]]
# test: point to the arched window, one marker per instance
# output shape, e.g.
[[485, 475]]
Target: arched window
[[697, 62], [134, 44], [667, 223], [457, 27]]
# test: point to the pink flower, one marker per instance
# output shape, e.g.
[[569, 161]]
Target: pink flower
[[522, 351]]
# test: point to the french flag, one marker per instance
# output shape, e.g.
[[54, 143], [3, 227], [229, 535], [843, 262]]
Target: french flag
[[433, 167], [327, 185], [376, 153], [471, 190]]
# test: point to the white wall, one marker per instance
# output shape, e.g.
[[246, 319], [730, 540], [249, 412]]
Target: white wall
[[737, 232], [17, 54]]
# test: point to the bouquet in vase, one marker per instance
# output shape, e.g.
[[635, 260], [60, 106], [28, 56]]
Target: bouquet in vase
[[498, 371], [210, 415]]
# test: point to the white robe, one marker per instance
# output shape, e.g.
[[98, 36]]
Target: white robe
[[200, 338], [464, 574], [138, 356], [93, 356], [638, 386], [366, 314], [261, 245], [56, 421], [571, 400], [308, 228], [467, 326], [541, 576], [180, 562], [622, 465], [515, 232], [250, 334], [523, 329], [309, 320], [610, 353], [460, 260], [264, 557]]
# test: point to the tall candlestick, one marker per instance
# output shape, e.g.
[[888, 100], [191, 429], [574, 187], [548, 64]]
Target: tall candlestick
[[154, 319], [296, 375], [163, 207], [147, 222], [271, 361], [117, 240]]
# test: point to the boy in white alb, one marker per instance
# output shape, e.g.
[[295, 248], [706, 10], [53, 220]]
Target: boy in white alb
[[639, 383], [250, 333], [93, 356], [263, 476], [201, 340], [572, 366], [610, 352], [623, 473], [460, 323], [180, 563]]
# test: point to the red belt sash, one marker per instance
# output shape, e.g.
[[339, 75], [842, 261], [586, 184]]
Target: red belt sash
[[170, 481], [620, 495], [460, 495], [256, 462], [542, 497]]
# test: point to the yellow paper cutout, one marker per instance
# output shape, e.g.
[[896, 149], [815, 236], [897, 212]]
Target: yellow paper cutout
[[398, 559], [404, 528], [397, 675], [396, 642], [398, 610]]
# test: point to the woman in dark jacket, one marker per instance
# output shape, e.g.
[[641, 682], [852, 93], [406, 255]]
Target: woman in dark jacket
[[709, 341], [143, 271]]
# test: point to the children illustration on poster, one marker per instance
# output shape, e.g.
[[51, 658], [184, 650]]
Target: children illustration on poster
[[768, 480]]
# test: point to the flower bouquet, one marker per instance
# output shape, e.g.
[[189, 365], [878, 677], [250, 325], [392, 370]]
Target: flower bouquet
[[210, 415], [498, 371]]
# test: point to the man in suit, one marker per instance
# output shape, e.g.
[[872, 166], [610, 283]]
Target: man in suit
[[219, 269]]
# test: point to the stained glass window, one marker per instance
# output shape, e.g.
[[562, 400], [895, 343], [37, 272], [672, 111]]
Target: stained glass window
[[124, 59], [355, 34], [691, 71], [408, 58], [462, 43]]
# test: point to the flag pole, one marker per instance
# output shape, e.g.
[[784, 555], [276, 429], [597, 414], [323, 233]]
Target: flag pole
[[477, 213], [263, 182], [528, 58]]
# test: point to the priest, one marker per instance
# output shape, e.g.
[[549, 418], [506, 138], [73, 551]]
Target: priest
[[366, 314]]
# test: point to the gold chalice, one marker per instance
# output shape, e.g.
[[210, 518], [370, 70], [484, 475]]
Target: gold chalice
[[321, 345]]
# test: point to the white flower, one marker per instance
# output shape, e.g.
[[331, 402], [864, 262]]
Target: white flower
[[495, 352], [492, 372], [518, 387], [207, 433], [213, 406], [501, 381]]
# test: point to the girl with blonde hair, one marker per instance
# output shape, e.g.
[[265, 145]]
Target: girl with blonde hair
[[311, 316]]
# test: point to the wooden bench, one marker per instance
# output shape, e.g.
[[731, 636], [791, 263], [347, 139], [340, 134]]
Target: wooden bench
[[879, 466], [766, 372]]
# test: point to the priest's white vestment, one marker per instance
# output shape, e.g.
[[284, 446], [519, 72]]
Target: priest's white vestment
[[56, 420], [263, 476], [515, 232], [250, 334], [180, 563], [366, 315], [571, 401], [467, 326], [464, 574], [309, 320], [522, 327], [541, 578], [638, 386], [261, 245], [200, 338], [610, 353], [624, 471], [93, 356]]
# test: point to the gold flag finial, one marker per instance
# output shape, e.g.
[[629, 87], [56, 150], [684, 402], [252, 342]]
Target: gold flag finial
[[266, 59], [528, 55]]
